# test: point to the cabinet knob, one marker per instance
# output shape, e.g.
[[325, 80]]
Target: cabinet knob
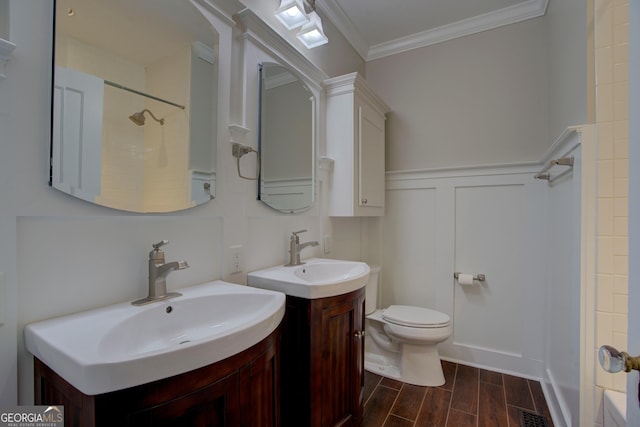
[[359, 334], [364, 201]]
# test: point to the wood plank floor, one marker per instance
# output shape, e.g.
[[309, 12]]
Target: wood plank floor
[[471, 397]]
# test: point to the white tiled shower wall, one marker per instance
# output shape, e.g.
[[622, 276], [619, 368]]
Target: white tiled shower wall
[[612, 75]]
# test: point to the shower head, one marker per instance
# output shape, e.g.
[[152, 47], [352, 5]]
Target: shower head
[[139, 119]]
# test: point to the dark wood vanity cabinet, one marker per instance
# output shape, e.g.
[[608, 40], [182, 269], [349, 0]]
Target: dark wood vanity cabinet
[[242, 390], [323, 361]]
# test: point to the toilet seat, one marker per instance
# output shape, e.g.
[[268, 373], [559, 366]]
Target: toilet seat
[[415, 317]]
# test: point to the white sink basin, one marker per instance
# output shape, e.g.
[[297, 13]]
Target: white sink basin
[[122, 345], [317, 278]]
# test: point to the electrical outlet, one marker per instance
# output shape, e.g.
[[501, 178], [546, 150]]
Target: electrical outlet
[[236, 259], [328, 243]]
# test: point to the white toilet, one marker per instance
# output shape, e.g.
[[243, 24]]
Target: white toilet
[[401, 341]]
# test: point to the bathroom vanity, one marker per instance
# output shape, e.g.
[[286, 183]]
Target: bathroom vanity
[[323, 360], [322, 344], [209, 356], [242, 390]]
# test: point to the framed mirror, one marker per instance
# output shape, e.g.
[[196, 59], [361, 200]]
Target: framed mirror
[[134, 104], [286, 140]]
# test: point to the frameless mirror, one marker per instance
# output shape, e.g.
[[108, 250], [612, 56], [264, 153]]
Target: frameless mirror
[[134, 104], [286, 145]]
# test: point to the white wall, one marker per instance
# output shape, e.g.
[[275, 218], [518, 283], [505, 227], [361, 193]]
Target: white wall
[[568, 275], [476, 100], [22, 160], [562, 300], [568, 66], [8, 372], [4, 19]]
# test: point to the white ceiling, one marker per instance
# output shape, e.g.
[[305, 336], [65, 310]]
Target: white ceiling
[[378, 28]]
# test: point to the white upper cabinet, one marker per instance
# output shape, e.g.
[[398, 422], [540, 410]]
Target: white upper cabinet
[[355, 141]]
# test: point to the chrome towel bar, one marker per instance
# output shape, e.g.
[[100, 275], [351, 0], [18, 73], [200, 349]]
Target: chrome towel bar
[[544, 175]]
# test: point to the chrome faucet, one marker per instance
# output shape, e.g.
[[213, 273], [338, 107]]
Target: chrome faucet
[[158, 272], [295, 247]]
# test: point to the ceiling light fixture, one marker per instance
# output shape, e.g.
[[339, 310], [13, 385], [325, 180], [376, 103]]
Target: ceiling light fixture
[[293, 14], [311, 33]]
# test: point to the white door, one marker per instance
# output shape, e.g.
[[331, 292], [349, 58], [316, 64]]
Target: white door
[[633, 409], [77, 133]]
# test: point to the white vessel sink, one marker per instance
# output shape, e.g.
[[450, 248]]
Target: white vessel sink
[[316, 278], [122, 345]]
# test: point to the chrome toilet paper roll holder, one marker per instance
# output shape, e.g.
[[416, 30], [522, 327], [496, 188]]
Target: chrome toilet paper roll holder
[[479, 277]]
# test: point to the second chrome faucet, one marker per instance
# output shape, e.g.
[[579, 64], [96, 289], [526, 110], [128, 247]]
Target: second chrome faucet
[[158, 272], [295, 247]]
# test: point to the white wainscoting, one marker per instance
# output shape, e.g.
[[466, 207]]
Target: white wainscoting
[[533, 240], [570, 276], [489, 239], [477, 220]]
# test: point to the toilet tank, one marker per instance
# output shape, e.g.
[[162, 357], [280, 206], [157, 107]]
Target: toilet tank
[[371, 293]]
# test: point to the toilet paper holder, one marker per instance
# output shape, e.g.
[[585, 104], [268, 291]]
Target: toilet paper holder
[[478, 277]]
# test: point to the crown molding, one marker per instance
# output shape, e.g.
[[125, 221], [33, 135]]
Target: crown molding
[[509, 15], [352, 82], [336, 15], [528, 9], [6, 47]]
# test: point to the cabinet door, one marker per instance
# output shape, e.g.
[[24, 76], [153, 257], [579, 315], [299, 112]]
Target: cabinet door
[[213, 406], [371, 157], [51, 389], [341, 357], [358, 392], [260, 390]]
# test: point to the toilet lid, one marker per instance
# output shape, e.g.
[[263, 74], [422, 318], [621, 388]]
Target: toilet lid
[[406, 315]]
